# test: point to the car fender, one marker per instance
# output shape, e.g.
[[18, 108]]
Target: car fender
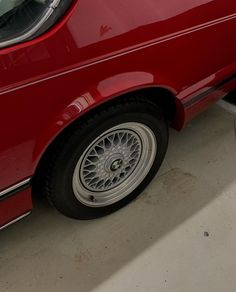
[[104, 91]]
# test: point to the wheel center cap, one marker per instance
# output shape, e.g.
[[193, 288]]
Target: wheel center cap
[[117, 164]]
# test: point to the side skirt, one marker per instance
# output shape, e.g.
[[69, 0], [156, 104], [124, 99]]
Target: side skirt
[[15, 203], [14, 221]]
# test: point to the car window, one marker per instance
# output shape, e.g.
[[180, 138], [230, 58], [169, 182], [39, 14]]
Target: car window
[[21, 19]]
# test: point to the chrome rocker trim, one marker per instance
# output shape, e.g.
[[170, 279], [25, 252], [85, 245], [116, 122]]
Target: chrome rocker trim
[[13, 189], [14, 221]]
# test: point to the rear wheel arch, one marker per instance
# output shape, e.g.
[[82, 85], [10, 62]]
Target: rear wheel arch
[[159, 96]]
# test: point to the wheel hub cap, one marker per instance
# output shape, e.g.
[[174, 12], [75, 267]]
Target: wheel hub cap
[[117, 164]]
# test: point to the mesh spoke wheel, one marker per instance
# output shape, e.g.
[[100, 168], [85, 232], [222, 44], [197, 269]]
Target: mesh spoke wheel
[[114, 164]]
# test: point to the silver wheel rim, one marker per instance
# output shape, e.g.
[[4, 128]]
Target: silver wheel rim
[[114, 164]]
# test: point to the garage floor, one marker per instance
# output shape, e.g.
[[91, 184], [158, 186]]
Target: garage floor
[[179, 235]]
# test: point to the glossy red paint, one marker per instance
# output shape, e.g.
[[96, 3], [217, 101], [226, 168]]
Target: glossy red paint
[[96, 53]]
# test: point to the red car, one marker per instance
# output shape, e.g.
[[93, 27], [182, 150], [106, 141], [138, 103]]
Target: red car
[[89, 88]]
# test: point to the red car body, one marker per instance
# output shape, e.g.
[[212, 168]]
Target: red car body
[[99, 51]]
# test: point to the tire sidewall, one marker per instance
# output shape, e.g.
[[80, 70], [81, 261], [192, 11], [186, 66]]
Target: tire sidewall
[[84, 136]]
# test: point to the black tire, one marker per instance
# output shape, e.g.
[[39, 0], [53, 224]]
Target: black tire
[[59, 176]]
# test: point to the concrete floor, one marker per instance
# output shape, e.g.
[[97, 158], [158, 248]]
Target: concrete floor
[[179, 235]]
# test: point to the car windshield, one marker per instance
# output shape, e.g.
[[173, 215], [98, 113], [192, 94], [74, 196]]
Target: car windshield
[[19, 16]]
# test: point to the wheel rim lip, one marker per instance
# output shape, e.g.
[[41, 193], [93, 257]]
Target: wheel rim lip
[[138, 174]]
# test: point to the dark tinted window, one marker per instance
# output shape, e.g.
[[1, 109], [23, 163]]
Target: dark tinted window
[[17, 17], [24, 19]]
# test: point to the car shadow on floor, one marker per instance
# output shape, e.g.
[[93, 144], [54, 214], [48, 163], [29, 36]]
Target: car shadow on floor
[[50, 252]]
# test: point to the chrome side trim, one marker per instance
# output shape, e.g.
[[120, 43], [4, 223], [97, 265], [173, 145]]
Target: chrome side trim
[[32, 31], [15, 187], [196, 98], [15, 220]]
